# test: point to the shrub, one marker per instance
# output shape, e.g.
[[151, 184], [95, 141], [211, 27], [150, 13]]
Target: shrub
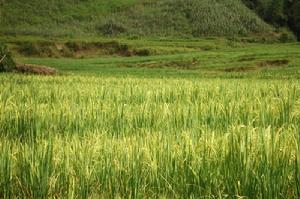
[[74, 46], [142, 52], [6, 62], [111, 28], [286, 37], [38, 49], [28, 49]]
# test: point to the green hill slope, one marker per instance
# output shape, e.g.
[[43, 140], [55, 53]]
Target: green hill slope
[[174, 18]]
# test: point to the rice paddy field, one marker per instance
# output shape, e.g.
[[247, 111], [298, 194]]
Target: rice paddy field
[[224, 129]]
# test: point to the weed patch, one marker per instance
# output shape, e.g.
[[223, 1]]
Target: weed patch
[[246, 59], [273, 63], [259, 65], [240, 69], [180, 64]]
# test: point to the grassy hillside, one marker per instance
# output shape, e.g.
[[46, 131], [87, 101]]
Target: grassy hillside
[[177, 18]]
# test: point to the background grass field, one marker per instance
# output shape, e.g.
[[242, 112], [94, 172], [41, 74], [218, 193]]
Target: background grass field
[[185, 58]]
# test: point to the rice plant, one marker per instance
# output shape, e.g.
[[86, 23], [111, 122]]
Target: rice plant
[[92, 137]]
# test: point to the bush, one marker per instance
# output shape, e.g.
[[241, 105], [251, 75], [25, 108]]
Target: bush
[[74, 46], [6, 62], [111, 28], [287, 36], [142, 52], [29, 49]]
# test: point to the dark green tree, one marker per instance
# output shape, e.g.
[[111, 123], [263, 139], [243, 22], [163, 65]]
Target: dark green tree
[[294, 17], [276, 13], [281, 13]]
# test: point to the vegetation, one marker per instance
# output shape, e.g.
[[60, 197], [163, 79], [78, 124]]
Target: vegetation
[[127, 99], [151, 127], [83, 137], [6, 62], [186, 58], [281, 13], [150, 18]]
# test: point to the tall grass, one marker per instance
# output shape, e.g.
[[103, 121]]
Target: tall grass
[[151, 18], [89, 137]]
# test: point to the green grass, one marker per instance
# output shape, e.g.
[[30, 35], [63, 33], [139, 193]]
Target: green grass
[[183, 58], [131, 18]]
